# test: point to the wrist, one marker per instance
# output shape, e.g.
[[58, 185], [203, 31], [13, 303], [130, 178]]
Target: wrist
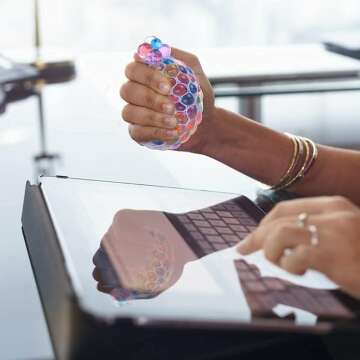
[[213, 133], [224, 135], [247, 146]]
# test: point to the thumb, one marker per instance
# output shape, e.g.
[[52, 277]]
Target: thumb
[[188, 58]]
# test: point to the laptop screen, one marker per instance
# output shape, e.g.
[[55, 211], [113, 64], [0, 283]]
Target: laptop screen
[[168, 253]]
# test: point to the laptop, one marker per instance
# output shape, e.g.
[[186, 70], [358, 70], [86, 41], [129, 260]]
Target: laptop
[[161, 257]]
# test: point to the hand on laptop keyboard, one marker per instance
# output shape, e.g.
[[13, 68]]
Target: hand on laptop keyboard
[[314, 233]]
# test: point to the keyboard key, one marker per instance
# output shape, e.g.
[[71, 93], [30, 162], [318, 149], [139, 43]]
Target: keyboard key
[[306, 297], [201, 223], [249, 221], [219, 207], [251, 228], [217, 222], [224, 214], [220, 246], [332, 307], [193, 216], [231, 221], [247, 276], [196, 235], [231, 239], [285, 298], [215, 239], [204, 244], [274, 284], [257, 307], [207, 210], [232, 207], [224, 230], [239, 228], [240, 215], [208, 231], [242, 235], [254, 286], [211, 216], [208, 251], [241, 265]]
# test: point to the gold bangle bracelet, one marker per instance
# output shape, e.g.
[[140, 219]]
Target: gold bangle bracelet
[[291, 164], [315, 153], [300, 173], [296, 166]]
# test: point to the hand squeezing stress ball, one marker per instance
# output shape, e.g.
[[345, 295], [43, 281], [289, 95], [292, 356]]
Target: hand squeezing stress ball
[[185, 91], [167, 96]]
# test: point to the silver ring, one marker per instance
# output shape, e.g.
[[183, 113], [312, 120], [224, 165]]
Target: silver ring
[[302, 219], [314, 239]]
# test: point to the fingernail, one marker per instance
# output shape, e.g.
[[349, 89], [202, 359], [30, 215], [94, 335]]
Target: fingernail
[[242, 247], [169, 108], [164, 87], [170, 122], [171, 133]]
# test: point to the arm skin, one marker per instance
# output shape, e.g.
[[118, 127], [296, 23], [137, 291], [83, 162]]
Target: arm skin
[[264, 154], [232, 139]]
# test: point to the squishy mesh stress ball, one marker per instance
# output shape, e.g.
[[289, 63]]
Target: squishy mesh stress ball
[[185, 90]]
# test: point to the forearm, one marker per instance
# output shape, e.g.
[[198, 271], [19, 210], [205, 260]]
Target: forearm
[[265, 154]]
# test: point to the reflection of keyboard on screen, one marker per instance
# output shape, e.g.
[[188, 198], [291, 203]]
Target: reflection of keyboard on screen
[[264, 293], [214, 228]]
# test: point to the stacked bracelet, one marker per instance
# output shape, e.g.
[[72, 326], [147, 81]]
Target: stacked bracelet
[[304, 155]]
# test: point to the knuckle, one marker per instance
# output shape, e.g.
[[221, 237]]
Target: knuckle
[[303, 252], [158, 119], [348, 219], [269, 254], [152, 118], [340, 202], [284, 228], [126, 112], [133, 132], [257, 238], [129, 70], [194, 59], [158, 133], [150, 99], [277, 210], [281, 234], [270, 249], [150, 79], [124, 91]]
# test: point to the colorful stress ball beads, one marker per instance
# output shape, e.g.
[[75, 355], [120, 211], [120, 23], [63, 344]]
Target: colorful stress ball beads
[[185, 90]]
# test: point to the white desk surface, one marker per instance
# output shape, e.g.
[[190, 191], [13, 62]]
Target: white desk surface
[[257, 61]]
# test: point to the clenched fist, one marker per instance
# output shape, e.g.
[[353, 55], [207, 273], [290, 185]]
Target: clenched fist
[[150, 111]]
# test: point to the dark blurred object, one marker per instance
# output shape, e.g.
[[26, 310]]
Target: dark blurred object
[[344, 43], [16, 81], [266, 199], [19, 81]]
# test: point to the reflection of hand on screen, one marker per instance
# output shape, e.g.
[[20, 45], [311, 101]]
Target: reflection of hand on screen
[[107, 280], [147, 253]]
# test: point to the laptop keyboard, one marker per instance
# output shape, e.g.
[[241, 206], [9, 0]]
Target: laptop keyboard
[[217, 227], [264, 293]]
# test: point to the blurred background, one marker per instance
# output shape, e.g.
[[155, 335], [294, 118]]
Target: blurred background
[[107, 25], [84, 27], [118, 25]]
